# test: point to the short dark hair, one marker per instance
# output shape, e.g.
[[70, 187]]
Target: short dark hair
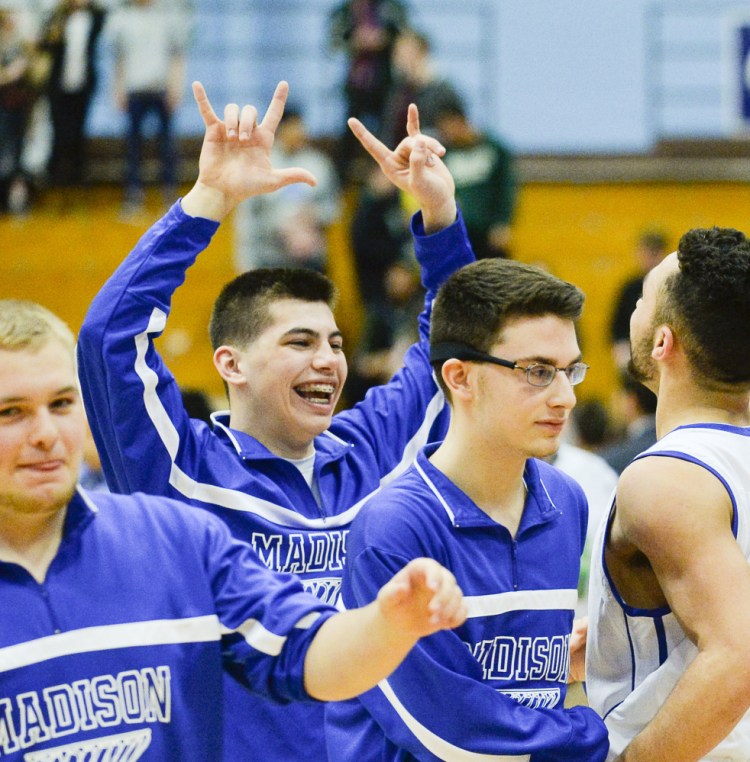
[[707, 302], [474, 305], [240, 311], [654, 240]]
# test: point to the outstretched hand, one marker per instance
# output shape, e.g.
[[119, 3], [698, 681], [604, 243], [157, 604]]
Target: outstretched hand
[[356, 649], [422, 598], [235, 158], [415, 167]]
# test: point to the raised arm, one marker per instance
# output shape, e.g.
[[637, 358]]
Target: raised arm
[[133, 402], [403, 415], [356, 649], [679, 516]]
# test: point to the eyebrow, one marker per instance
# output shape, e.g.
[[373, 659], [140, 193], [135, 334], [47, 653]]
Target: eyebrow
[[547, 360], [310, 332], [58, 393]]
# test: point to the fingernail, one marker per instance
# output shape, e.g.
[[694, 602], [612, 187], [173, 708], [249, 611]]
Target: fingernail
[[231, 132]]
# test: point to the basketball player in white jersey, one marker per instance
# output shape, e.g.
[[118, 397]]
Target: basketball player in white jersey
[[668, 656]]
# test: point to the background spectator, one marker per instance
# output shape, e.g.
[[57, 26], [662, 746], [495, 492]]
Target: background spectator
[[598, 480], [70, 36], [289, 228], [16, 98], [486, 184], [149, 46], [649, 251], [592, 424], [366, 31], [636, 408], [197, 404], [415, 80], [379, 233], [390, 329]]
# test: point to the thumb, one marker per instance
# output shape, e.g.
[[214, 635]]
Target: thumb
[[295, 175]]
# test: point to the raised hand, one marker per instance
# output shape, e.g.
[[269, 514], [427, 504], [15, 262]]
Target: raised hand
[[235, 159], [415, 167]]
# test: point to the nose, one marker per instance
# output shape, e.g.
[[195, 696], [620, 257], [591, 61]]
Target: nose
[[44, 431], [325, 357], [563, 393]]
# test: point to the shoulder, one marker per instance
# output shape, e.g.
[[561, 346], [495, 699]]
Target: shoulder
[[154, 516], [662, 495], [398, 498], [397, 512]]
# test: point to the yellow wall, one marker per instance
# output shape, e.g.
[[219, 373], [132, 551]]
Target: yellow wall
[[63, 252], [586, 234]]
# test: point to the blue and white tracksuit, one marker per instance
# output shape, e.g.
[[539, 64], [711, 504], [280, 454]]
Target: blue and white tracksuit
[[120, 653], [493, 688], [148, 444]]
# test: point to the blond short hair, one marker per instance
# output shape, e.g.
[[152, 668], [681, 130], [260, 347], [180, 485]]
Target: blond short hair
[[27, 325]]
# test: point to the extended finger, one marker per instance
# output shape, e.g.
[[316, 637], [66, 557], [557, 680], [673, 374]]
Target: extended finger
[[231, 119], [275, 109], [369, 142], [412, 120], [433, 144], [204, 105], [443, 585], [248, 122], [448, 606], [420, 156]]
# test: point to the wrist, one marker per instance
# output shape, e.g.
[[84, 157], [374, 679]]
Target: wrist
[[204, 201], [440, 217]]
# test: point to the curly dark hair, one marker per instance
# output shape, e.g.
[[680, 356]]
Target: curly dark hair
[[707, 301]]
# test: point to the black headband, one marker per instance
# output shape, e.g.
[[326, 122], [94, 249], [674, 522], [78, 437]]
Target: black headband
[[446, 350]]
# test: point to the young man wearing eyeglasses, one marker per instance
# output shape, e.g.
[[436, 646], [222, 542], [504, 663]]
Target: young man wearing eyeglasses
[[508, 525]]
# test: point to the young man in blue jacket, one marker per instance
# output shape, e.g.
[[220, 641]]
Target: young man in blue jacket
[[510, 526], [279, 468], [119, 612]]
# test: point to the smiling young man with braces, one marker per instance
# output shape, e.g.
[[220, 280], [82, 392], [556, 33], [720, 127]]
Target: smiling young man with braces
[[279, 468]]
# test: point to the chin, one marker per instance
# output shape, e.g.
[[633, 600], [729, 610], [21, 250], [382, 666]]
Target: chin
[[546, 449], [317, 424], [50, 497]]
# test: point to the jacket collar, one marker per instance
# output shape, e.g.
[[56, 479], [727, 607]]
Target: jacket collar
[[463, 512], [328, 447]]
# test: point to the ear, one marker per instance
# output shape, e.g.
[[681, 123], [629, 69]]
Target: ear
[[227, 363], [664, 343], [458, 378]]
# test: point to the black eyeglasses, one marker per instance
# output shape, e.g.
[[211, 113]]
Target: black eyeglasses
[[537, 374]]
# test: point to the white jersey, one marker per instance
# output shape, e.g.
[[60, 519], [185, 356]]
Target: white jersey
[[634, 657]]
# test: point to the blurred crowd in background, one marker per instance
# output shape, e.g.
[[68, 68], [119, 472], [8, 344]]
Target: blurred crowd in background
[[50, 56]]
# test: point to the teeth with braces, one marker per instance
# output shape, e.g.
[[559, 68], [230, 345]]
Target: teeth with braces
[[311, 389]]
